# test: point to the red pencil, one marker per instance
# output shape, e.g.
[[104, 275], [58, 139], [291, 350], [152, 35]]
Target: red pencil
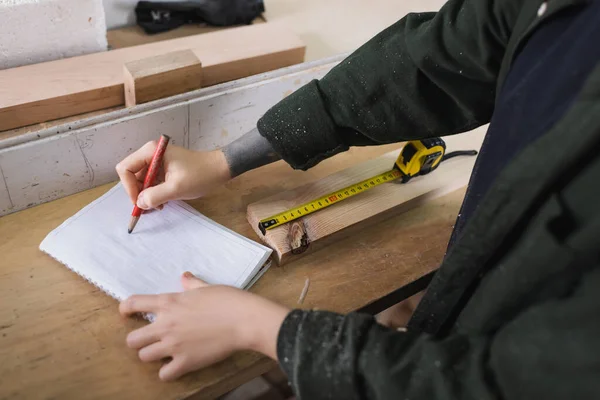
[[155, 164]]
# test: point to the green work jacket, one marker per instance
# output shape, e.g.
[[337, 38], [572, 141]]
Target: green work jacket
[[513, 312]]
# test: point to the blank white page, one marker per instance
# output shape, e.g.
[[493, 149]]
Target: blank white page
[[95, 244]]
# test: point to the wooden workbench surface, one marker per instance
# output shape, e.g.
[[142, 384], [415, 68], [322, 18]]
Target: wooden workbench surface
[[60, 337]]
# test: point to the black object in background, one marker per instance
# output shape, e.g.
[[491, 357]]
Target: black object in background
[[156, 17]]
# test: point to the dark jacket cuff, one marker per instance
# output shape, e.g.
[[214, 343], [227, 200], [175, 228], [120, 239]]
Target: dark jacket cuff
[[288, 339], [290, 127], [313, 349]]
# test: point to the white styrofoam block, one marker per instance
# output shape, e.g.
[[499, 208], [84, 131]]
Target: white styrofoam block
[[220, 119], [44, 170], [34, 31], [104, 146], [54, 167], [6, 204]]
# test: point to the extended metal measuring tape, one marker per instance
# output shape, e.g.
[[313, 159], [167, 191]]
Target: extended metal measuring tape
[[418, 157]]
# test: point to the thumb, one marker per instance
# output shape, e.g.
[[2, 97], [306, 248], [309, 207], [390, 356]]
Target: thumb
[[190, 282], [154, 196]]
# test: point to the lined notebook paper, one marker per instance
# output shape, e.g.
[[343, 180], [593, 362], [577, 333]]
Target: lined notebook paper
[[95, 244]]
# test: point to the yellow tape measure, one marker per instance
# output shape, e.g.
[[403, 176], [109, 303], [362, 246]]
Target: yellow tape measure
[[327, 200], [416, 158]]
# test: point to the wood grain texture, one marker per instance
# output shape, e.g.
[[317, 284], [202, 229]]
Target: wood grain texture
[[60, 337], [317, 230], [58, 89], [161, 76]]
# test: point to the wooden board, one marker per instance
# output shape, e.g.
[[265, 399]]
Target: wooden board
[[317, 230], [58, 89], [161, 76], [314, 70], [60, 337]]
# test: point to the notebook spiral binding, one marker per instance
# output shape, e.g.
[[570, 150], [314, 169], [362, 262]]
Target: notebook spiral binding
[[148, 316]]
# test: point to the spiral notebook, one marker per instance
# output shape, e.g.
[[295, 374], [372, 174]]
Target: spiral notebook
[[95, 244]]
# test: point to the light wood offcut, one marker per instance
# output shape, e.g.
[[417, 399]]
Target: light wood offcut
[[161, 76], [62, 88]]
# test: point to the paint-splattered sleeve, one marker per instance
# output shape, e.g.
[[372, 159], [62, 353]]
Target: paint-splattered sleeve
[[351, 357], [549, 351], [429, 74]]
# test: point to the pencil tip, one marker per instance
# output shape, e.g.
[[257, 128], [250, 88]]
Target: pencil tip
[[132, 224]]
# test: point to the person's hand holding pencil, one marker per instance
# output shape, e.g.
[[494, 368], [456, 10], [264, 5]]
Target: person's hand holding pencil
[[183, 174]]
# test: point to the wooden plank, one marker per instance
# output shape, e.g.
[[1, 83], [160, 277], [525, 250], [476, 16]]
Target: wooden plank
[[317, 230], [274, 80], [161, 76], [58, 89], [60, 337]]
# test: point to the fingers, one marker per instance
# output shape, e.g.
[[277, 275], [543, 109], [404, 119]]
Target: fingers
[[154, 352], [139, 304], [190, 282], [156, 195], [173, 369], [133, 164], [143, 337], [141, 175]]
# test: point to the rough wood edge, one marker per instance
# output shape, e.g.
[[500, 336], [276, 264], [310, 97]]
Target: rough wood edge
[[129, 87]]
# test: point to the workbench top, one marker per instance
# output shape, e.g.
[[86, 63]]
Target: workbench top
[[61, 337]]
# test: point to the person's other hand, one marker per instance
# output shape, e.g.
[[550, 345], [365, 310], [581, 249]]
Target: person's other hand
[[186, 175], [202, 325]]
